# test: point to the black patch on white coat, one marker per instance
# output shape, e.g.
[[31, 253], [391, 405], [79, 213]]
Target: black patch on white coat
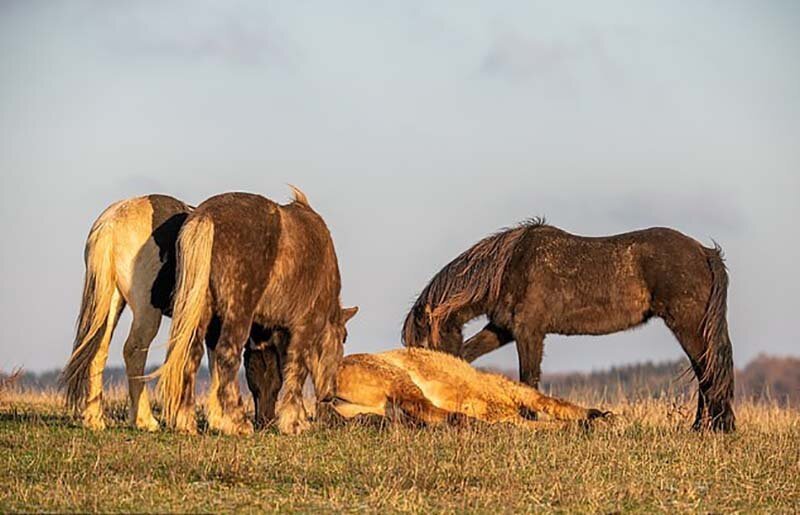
[[169, 215]]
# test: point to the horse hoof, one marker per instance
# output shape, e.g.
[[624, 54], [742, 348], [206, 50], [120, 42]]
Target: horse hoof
[[94, 422], [150, 425], [245, 428], [596, 413], [186, 424], [293, 427]]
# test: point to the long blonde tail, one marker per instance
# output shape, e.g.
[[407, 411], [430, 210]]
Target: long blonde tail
[[191, 302], [98, 288]]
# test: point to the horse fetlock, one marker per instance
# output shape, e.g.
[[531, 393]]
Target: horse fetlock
[[185, 422], [293, 419], [144, 421], [94, 420], [235, 423]]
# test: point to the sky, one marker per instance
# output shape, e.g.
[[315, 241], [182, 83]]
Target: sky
[[415, 128]]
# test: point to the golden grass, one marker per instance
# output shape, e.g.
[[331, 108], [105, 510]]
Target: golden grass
[[646, 459]]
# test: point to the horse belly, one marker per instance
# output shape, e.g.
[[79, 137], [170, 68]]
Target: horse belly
[[613, 309]]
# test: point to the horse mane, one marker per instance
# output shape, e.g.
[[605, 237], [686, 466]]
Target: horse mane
[[474, 276], [299, 196]]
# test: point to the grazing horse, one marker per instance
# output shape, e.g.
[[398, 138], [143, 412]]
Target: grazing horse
[[249, 260], [130, 260], [535, 279]]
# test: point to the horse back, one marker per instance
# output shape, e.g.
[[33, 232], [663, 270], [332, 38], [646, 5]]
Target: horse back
[[247, 230], [305, 271], [269, 260], [598, 285], [145, 230]]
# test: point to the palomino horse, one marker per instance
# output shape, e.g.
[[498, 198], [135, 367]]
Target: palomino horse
[[130, 260], [433, 388], [536, 279], [249, 260]]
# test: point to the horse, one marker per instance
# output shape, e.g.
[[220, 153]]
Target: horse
[[431, 388], [247, 259], [535, 279], [264, 358], [130, 261]]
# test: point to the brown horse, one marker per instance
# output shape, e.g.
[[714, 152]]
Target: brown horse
[[249, 260], [535, 279]]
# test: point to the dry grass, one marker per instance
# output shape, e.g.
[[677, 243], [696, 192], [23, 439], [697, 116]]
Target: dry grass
[[647, 459]]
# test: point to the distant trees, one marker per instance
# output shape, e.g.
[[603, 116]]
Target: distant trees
[[766, 378]]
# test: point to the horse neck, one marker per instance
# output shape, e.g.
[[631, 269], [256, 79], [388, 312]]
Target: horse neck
[[466, 313]]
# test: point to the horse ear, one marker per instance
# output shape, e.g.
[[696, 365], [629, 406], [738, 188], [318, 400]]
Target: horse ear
[[348, 313]]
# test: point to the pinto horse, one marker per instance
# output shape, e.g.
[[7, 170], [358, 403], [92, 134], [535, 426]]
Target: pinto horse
[[535, 279], [246, 260], [130, 261]]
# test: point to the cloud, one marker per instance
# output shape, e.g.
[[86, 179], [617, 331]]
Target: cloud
[[512, 56], [227, 33], [522, 57]]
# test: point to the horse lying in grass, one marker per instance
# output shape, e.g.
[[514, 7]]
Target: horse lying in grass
[[535, 279], [435, 388]]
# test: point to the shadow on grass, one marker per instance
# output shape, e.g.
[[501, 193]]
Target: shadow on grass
[[47, 419]]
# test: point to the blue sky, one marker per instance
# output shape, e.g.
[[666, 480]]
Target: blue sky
[[415, 128]]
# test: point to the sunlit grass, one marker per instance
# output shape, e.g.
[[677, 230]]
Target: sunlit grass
[[646, 459]]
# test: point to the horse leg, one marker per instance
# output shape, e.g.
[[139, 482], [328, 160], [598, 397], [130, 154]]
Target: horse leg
[[143, 329], [93, 412], [213, 408], [558, 409], [264, 372], [530, 347], [292, 416], [489, 338], [709, 412], [185, 420], [226, 412]]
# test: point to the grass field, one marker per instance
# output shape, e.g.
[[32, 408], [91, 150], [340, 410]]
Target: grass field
[[646, 459]]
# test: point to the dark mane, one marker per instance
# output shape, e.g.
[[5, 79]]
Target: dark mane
[[474, 276]]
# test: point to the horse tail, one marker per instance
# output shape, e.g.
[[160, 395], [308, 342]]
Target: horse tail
[[191, 303], [718, 356], [99, 285], [299, 196]]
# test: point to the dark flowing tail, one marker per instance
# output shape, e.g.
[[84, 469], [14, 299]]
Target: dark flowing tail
[[98, 289], [717, 360]]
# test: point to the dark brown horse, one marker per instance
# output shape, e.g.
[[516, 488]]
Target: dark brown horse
[[535, 279], [248, 260]]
